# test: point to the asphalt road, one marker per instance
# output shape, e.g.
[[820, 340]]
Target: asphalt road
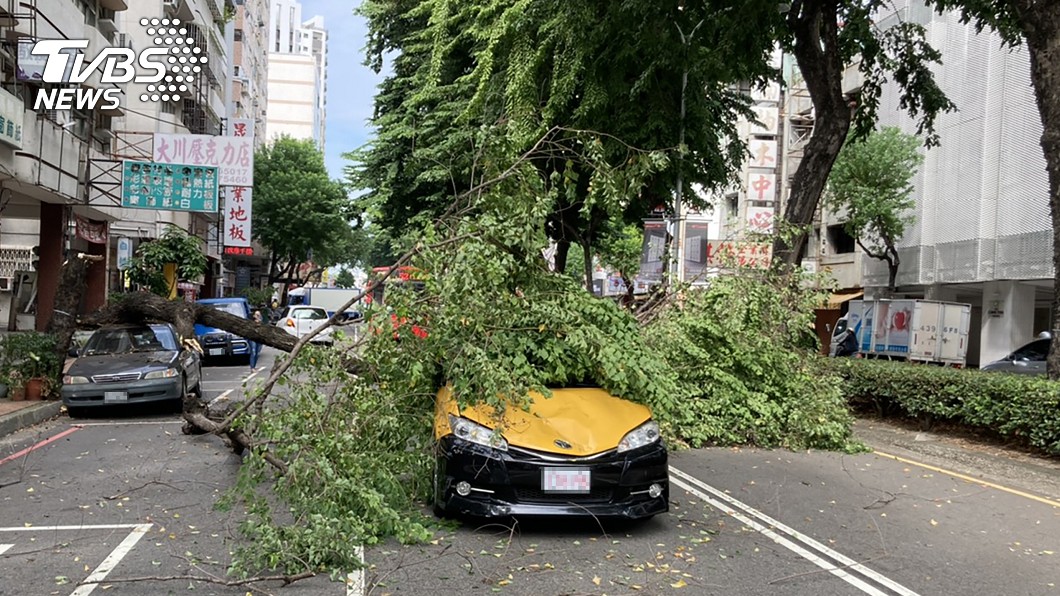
[[125, 495]]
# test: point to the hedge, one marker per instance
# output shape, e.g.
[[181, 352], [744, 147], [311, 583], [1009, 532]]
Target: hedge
[[1025, 409]]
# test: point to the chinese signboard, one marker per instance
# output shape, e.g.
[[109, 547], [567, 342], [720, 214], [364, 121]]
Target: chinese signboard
[[30, 65], [232, 156], [770, 92], [12, 114], [124, 253], [763, 153], [172, 187], [237, 217], [760, 220], [767, 121], [731, 253], [761, 187], [239, 251]]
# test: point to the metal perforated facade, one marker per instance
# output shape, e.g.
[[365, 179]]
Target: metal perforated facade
[[982, 206]]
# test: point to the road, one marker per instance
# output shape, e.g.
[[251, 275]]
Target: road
[[125, 496]]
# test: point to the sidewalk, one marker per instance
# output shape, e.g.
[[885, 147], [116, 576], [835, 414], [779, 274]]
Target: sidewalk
[[16, 415]]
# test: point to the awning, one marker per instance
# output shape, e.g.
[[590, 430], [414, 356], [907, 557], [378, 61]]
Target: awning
[[836, 300]]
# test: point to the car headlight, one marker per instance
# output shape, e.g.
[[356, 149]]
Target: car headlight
[[74, 380], [163, 374], [476, 433], [645, 434]]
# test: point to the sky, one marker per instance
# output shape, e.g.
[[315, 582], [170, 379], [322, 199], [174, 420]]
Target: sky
[[351, 85]]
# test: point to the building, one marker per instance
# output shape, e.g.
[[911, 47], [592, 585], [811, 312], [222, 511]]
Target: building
[[297, 74], [44, 206], [249, 50], [982, 232]]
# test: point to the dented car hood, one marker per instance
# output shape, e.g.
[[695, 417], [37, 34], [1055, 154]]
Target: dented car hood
[[589, 420]]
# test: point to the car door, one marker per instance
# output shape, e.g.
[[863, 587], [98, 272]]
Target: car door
[[1030, 359], [303, 317]]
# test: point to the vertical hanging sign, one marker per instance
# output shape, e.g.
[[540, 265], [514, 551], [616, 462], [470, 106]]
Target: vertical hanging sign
[[239, 199]]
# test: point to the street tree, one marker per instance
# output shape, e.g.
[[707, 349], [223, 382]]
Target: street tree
[[344, 279], [300, 214], [1035, 23], [870, 184], [159, 264], [827, 37], [668, 83]]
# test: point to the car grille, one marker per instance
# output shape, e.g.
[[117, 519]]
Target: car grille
[[535, 495], [116, 378]]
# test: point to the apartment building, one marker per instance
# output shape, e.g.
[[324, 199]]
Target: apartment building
[[297, 78]]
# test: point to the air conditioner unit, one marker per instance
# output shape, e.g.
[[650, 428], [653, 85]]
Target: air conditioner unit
[[6, 283], [169, 6]]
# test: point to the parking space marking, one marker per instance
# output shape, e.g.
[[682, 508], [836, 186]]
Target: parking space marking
[[67, 528], [100, 573], [36, 446], [5, 547], [966, 478], [826, 558]]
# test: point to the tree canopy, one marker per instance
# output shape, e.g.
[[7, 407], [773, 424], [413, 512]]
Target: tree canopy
[[299, 213], [870, 183]]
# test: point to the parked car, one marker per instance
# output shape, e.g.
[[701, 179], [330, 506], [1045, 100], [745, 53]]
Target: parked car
[[1027, 360], [299, 321], [580, 452], [125, 364], [218, 343]]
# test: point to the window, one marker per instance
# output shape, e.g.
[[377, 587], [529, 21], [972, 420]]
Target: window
[[169, 107], [841, 242], [238, 34], [1036, 351]]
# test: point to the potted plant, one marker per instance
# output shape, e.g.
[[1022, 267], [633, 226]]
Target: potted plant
[[31, 363], [16, 384]]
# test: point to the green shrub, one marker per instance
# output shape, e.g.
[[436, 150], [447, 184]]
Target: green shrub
[[1025, 409], [744, 376]]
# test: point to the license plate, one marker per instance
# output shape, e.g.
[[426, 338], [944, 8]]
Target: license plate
[[565, 480], [217, 351], [111, 397]]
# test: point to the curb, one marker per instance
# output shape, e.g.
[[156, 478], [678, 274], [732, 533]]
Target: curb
[[25, 417]]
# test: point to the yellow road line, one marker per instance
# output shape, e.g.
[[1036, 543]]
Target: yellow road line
[[967, 478]]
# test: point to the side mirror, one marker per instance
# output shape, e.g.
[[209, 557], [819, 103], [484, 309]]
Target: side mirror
[[74, 352]]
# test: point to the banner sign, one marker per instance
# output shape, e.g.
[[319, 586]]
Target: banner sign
[[232, 156], [651, 256], [90, 230], [171, 187], [696, 250], [734, 254], [237, 216]]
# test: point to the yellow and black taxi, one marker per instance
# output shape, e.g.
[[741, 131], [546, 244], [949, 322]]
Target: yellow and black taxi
[[581, 451]]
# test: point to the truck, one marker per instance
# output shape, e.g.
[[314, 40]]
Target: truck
[[330, 299], [917, 330]]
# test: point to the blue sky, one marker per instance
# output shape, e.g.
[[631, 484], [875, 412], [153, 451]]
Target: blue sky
[[351, 85]]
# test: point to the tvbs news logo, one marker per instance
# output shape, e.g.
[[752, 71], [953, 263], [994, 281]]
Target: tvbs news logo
[[168, 68]]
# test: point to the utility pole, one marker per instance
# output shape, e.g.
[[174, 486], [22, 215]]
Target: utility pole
[[677, 230]]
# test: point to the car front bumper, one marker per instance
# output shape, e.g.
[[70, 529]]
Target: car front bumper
[[85, 395], [509, 482]]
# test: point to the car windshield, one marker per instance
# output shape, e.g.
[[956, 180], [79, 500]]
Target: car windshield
[[232, 308], [314, 314], [1036, 351], [124, 340]]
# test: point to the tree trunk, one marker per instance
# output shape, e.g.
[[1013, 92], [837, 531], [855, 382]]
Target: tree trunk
[[587, 253], [1040, 22], [68, 300], [562, 248], [817, 53]]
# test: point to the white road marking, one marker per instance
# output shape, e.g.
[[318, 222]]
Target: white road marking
[[355, 579], [100, 573], [67, 528], [5, 547], [729, 506]]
